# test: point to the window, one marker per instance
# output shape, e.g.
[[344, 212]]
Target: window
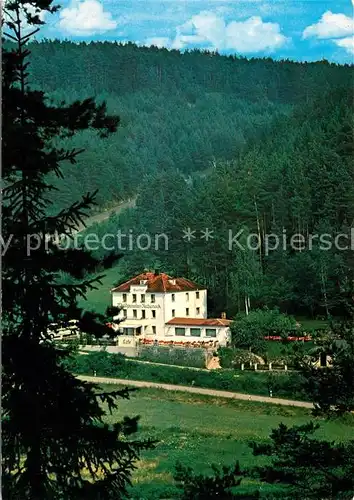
[[135, 314], [195, 332], [142, 298], [143, 282], [187, 296], [173, 313], [154, 329], [153, 314], [210, 332], [124, 297], [198, 310], [125, 313], [134, 297], [152, 298], [197, 295], [180, 331], [143, 314], [187, 311], [173, 297], [128, 331]]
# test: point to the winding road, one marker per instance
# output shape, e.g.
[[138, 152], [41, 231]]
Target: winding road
[[130, 203], [196, 390], [102, 216]]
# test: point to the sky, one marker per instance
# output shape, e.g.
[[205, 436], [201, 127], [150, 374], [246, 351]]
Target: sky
[[303, 30]]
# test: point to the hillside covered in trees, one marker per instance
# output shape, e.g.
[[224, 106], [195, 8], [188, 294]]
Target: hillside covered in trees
[[275, 143], [178, 112]]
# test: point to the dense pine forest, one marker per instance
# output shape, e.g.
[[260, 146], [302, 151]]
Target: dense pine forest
[[225, 143]]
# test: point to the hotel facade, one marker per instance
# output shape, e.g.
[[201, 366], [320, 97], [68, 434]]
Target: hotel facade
[[159, 308]]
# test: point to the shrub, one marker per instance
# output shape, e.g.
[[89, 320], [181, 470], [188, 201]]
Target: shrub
[[218, 485], [248, 332]]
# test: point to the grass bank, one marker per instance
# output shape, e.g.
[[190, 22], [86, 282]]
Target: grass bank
[[286, 385]]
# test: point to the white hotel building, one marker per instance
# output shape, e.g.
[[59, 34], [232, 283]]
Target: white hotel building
[[157, 307]]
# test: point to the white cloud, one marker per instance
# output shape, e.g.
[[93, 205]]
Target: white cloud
[[249, 36], [203, 27], [337, 28], [346, 43], [158, 41], [253, 35], [86, 17], [330, 26]]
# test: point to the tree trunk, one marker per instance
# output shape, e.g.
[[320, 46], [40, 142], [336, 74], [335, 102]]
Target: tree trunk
[[324, 291], [259, 233]]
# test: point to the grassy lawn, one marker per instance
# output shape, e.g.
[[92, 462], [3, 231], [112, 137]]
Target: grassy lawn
[[312, 324], [199, 430], [277, 350]]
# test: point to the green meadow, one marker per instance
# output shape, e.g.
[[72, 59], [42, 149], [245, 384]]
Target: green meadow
[[99, 299], [199, 431]]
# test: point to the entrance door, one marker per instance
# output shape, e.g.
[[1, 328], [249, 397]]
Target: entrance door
[[323, 360]]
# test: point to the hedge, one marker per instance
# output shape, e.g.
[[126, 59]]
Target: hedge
[[173, 355]]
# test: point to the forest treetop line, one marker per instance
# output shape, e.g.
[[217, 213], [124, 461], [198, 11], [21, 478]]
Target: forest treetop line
[[154, 48]]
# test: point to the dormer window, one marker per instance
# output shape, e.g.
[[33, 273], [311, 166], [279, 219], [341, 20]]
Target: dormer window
[[143, 282], [173, 282]]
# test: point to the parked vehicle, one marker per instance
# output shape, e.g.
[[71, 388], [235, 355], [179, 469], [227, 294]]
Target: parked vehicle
[[58, 332]]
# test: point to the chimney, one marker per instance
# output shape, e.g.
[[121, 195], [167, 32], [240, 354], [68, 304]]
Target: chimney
[[223, 315]]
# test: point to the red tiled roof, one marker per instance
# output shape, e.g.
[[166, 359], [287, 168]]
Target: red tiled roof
[[200, 321], [159, 283]]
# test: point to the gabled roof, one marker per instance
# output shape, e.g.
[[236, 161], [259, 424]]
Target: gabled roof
[[199, 322], [159, 283]]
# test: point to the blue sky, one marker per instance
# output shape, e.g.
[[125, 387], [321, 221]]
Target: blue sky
[[296, 29]]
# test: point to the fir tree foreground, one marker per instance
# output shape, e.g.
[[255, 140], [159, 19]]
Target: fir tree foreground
[[55, 442]]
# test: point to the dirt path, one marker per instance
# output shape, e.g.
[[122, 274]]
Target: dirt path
[[197, 390], [131, 203], [107, 213]]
